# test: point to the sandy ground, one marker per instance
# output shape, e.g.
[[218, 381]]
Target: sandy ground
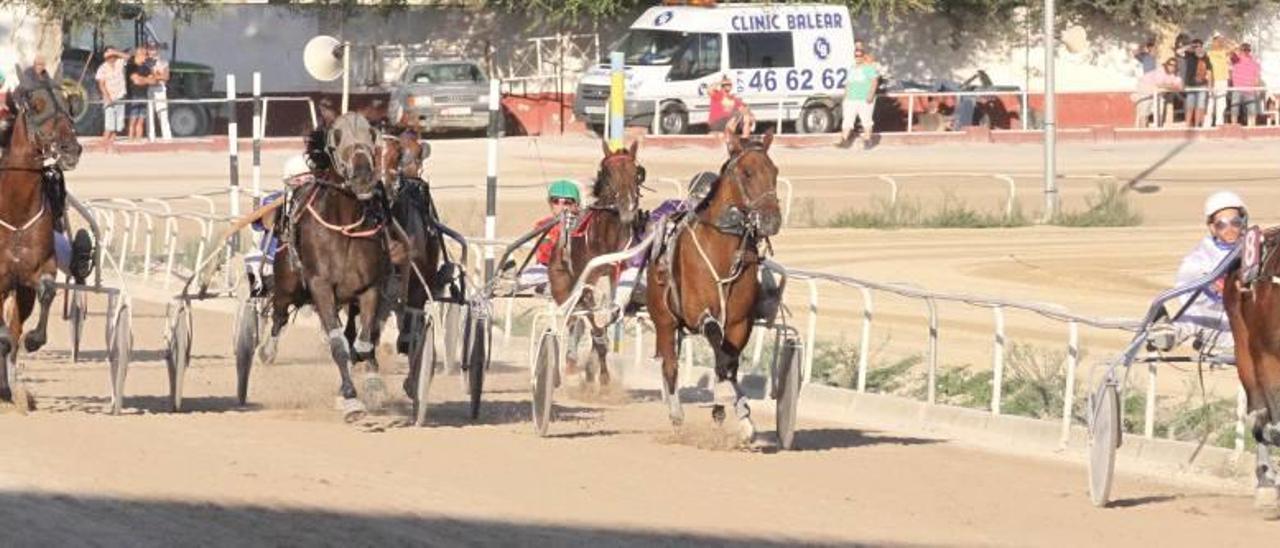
[[285, 470]]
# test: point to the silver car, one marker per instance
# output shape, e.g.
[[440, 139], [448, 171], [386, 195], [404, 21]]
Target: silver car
[[442, 95]]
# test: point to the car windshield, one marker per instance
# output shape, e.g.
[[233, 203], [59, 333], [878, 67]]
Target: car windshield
[[648, 47], [447, 73]]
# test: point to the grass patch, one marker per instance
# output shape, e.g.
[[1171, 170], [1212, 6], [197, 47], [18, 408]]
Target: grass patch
[[1108, 206], [910, 213]]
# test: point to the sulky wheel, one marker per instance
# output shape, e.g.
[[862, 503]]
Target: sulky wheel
[[119, 349], [787, 386], [179, 352], [246, 342], [1104, 438], [77, 311], [477, 341], [422, 368], [545, 370]]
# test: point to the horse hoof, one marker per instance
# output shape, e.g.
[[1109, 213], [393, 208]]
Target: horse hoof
[[746, 431], [717, 414], [267, 352], [353, 410], [409, 384], [674, 411], [375, 391], [33, 341]]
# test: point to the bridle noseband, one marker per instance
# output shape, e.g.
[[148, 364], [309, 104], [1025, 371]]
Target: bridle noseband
[[741, 219]]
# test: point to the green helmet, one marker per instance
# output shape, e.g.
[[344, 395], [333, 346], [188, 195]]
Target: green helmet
[[564, 188]]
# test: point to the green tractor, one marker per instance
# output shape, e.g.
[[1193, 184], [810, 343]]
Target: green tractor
[[82, 48]]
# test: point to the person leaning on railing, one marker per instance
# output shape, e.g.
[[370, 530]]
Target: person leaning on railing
[[111, 88], [1162, 81]]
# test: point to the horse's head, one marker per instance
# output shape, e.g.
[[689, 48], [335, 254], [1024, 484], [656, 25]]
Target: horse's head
[[402, 154], [44, 128], [618, 182], [352, 144], [750, 180]]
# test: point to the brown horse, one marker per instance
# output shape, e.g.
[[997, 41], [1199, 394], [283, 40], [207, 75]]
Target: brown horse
[[607, 226], [1255, 327], [41, 133], [704, 280], [338, 258]]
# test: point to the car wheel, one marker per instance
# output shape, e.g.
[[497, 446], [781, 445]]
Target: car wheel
[[674, 121], [816, 119], [188, 120]]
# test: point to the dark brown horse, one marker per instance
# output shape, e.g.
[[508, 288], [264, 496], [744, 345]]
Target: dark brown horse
[[42, 133], [1254, 312], [608, 225], [704, 280], [338, 256]]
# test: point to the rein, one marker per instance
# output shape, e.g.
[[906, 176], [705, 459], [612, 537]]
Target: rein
[[346, 230]]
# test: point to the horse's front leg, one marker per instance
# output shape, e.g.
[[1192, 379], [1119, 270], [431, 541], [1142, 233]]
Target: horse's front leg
[[324, 300], [45, 292], [7, 345], [365, 345], [727, 345]]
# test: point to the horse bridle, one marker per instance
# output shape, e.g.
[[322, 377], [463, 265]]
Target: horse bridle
[[340, 163], [600, 175], [44, 139], [741, 219]]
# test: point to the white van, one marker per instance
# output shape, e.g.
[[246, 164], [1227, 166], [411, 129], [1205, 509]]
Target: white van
[[788, 60]]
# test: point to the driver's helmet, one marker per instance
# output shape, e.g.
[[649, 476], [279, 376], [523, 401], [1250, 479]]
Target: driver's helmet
[[295, 168], [564, 188], [1224, 199]]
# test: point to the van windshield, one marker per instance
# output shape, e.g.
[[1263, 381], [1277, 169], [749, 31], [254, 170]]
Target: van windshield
[[648, 47]]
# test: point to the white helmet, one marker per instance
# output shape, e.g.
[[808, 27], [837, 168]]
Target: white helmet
[[295, 166], [1223, 199]]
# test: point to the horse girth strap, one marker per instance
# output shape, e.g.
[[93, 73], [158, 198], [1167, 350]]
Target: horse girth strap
[[723, 284]]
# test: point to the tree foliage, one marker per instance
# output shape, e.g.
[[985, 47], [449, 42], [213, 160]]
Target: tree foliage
[[93, 12]]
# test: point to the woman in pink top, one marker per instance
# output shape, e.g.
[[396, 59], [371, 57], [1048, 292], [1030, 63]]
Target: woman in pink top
[[1245, 73]]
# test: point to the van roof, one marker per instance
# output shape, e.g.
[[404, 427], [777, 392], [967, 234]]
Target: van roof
[[746, 17]]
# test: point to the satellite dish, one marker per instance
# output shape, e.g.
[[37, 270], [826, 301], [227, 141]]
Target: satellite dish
[[323, 58]]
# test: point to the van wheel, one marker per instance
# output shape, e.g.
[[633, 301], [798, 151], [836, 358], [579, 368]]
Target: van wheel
[[816, 119], [674, 121], [188, 120]]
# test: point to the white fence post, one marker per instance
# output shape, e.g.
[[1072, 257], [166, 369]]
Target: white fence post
[[1069, 392], [864, 347], [933, 350], [811, 338], [997, 360], [1241, 410], [1149, 423]]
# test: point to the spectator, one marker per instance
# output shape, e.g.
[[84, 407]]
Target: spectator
[[728, 113], [1145, 55], [137, 80], [1245, 73], [111, 88], [1153, 83], [1220, 65], [860, 98], [1196, 74], [159, 89]]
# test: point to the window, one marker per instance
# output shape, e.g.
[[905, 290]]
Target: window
[[452, 73], [760, 50], [648, 47], [699, 56]]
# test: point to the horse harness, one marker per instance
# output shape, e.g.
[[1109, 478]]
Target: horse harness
[[742, 222], [1259, 248]]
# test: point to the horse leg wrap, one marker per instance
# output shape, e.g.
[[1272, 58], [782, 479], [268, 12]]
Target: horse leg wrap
[[725, 393], [674, 411], [363, 349], [338, 347], [1265, 471], [746, 427]]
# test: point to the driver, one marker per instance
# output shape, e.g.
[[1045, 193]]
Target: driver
[[562, 195], [259, 261], [1225, 218]]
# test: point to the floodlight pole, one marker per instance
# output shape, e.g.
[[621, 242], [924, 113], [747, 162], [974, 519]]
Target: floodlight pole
[[1051, 202]]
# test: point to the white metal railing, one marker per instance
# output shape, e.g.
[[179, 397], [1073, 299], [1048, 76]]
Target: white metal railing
[[1157, 99], [153, 112], [893, 181]]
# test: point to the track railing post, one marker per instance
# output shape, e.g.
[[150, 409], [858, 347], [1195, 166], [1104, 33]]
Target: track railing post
[[811, 335], [864, 344], [1241, 410], [933, 350], [1069, 391], [997, 360], [893, 188], [1149, 421]]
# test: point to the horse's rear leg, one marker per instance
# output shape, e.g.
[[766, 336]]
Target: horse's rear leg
[[280, 303], [327, 308], [600, 344], [45, 293], [8, 346]]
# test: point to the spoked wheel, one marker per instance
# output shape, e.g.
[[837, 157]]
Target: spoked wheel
[[1104, 438], [77, 310], [477, 342], [422, 360], [787, 390], [119, 348], [179, 352], [246, 342], [546, 363]]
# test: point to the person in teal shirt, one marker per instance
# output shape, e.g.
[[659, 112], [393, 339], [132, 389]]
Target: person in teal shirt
[[860, 98]]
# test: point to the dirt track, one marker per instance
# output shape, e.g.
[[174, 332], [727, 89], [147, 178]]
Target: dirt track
[[285, 470]]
